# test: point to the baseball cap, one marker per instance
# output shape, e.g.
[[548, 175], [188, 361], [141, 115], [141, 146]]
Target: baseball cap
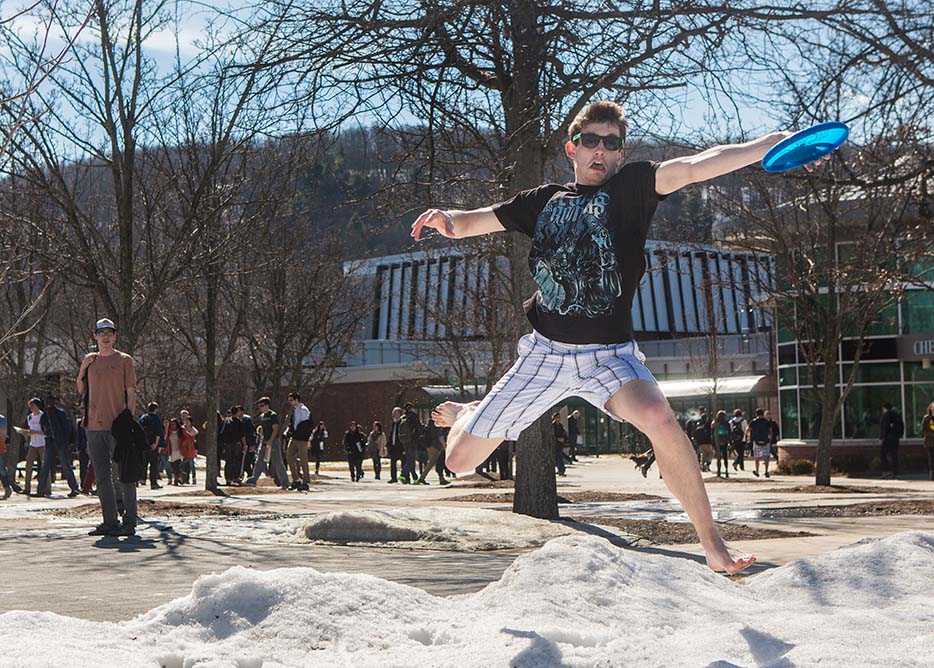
[[105, 323]]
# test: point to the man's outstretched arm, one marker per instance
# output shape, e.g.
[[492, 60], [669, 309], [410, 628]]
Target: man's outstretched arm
[[455, 224], [674, 174]]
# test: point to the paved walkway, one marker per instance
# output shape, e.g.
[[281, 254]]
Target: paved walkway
[[53, 566]]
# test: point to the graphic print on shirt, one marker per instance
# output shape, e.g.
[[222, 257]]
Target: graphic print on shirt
[[573, 259]]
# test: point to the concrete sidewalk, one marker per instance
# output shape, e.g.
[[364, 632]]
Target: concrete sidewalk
[[51, 565]]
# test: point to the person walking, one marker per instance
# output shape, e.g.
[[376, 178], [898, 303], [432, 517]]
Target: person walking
[[107, 381], [891, 429], [60, 434], [760, 435], [299, 432], [433, 440], [250, 446], [317, 444], [270, 448], [35, 453], [927, 434], [355, 446], [394, 447], [721, 441], [376, 447]]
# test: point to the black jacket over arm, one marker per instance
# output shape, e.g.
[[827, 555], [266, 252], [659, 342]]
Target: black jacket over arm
[[132, 450]]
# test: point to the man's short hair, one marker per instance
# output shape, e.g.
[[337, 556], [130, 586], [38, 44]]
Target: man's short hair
[[760, 412], [152, 407], [408, 406], [600, 112], [738, 412], [886, 405], [263, 401], [234, 410], [295, 395], [38, 402]]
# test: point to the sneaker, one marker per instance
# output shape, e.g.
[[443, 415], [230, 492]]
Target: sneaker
[[405, 481], [124, 530], [423, 482], [103, 530], [303, 487], [155, 485], [7, 492], [73, 493], [755, 473], [392, 480], [767, 475], [444, 481]]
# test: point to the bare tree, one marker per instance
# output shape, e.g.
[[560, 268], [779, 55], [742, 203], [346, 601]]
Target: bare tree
[[502, 81]]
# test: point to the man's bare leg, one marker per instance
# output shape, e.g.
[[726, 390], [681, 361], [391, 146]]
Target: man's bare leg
[[464, 452], [642, 403]]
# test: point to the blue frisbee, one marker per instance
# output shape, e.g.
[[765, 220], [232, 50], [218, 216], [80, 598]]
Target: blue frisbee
[[806, 146]]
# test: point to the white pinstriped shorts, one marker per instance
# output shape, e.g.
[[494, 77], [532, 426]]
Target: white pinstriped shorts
[[546, 373]]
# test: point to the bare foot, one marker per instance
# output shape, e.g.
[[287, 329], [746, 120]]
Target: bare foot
[[729, 561], [445, 415]]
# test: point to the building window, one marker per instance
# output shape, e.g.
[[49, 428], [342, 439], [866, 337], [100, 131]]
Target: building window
[[788, 406], [888, 372], [863, 409], [918, 397], [811, 413], [788, 376], [918, 311]]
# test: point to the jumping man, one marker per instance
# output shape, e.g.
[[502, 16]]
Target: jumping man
[[588, 239]]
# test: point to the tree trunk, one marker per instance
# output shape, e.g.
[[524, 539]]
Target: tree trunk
[[536, 491], [828, 402], [212, 469]]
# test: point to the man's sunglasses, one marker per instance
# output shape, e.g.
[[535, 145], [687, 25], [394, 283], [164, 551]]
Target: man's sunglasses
[[590, 140]]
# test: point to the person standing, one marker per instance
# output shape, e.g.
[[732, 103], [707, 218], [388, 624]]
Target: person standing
[[152, 426], [739, 437], [4, 474], [189, 449], [575, 439], [107, 381], [776, 435], [35, 453], [317, 444], [704, 438], [270, 448], [396, 453], [561, 438], [410, 429], [249, 452], [233, 435], [891, 429], [927, 433], [760, 435], [300, 428], [376, 447], [174, 436], [355, 445], [85, 470], [721, 440], [60, 434]]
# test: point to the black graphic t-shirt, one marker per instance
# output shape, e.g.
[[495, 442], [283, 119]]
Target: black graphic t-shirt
[[587, 252]]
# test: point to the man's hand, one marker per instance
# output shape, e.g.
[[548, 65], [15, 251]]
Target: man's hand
[[435, 219]]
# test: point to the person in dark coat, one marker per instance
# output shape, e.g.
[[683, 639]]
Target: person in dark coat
[[891, 429], [355, 445], [561, 439]]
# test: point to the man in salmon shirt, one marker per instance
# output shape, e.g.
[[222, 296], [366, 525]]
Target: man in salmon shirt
[[107, 380]]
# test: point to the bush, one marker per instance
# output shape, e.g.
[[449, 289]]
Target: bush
[[797, 467]]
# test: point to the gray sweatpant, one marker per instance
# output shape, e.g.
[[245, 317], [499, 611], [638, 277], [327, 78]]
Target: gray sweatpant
[[101, 445], [275, 459]]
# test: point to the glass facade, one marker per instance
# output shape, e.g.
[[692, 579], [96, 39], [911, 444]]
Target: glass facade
[[880, 377]]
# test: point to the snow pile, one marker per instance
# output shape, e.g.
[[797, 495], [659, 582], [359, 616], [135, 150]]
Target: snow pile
[[434, 528], [577, 602]]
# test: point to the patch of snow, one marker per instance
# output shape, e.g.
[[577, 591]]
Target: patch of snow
[[578, 602]]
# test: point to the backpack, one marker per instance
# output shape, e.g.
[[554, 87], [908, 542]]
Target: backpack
[[898, 427], [736, 430]]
